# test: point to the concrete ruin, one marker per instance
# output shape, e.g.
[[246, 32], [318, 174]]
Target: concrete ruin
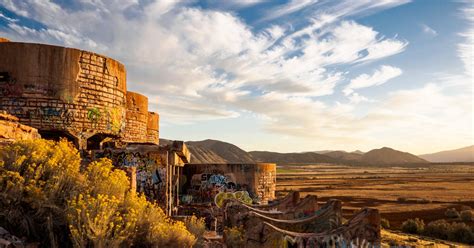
[[303, 225], [204, 181], [58, 92]]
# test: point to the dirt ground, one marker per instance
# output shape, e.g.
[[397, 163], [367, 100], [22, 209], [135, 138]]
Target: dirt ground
[[400, 193]]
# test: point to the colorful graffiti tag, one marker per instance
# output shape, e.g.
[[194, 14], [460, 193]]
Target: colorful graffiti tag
[[205, 186], [151, 173]]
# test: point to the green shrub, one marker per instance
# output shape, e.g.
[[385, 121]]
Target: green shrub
[[466, 215], [460, 232], [457, 232], [438, 229], [384, 223], [451, 213], [414, 226]]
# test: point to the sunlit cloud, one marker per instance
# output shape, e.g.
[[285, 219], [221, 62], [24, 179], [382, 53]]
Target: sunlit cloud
[[199, 65], [380, 76]]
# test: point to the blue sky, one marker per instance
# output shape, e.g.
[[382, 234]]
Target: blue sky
[[282, 75]]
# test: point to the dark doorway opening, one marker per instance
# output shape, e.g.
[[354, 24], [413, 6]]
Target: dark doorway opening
[[56, 135]]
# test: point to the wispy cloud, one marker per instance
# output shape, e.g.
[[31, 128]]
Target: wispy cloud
[[428, 30], [380, 76], [466, 48], [288, 8], [234, 4], [199, 65], [8, 19]]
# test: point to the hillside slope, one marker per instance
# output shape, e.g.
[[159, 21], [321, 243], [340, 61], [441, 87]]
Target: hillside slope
[[215, 151], [229, 152], [286, 158], [465, 154], [389, 156], [346, 156]]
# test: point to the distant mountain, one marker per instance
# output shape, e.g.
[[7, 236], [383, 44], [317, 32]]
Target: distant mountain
[[324, 151], [228, 152], [286, 158], [215, 151], [389, 156], [342, 155], [465, 154]]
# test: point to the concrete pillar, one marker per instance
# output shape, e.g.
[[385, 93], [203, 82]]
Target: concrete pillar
[[132, 174]]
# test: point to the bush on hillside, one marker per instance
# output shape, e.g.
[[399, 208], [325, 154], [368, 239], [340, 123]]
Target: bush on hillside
[[438, 229], [461, 232], [414, 226], [466, 215], [451, 213], [384, 223], [457, 232]]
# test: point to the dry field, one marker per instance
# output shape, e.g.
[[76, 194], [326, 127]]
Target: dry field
[[399, 193]]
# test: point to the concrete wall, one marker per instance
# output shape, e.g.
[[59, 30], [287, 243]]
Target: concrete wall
[[153, 128], [136, 118], [204, 181], [63, 89]]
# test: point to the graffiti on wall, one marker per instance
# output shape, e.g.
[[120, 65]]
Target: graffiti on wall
[[151, 172], [205, 186]]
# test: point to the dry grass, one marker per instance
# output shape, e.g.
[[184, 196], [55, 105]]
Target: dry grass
[[398, 192]]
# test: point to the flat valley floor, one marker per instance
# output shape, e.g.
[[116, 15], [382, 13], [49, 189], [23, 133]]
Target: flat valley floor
[[400, 193]]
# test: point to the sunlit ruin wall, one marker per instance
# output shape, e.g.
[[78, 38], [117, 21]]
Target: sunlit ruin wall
[[153, 128], [66, 92], [204, 181], [136, 118], [11, 130]]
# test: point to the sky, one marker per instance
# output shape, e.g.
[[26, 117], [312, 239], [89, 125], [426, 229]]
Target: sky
[[281, 75]]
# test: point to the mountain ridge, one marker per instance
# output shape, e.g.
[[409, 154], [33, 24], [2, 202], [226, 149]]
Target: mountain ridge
[[464, 154], [215, 151]]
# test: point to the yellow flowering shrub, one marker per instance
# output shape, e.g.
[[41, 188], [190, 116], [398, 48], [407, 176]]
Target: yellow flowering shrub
[[36, 179], [155, 229], [196, 226], [102, 179], [99, 221], [47, 197]]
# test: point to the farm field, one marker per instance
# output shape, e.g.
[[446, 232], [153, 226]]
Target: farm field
[[400, 193]]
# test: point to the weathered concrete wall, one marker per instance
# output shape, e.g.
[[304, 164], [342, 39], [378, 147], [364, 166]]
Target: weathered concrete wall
[[153, 128], [265, 181], [11, 130], [136, 118], [62, 89], [204, 181]]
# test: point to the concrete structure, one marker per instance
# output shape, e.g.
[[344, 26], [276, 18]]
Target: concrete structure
[[317, 227], [82, 96], [66, 92], [204, 181], [136, 118]]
